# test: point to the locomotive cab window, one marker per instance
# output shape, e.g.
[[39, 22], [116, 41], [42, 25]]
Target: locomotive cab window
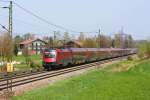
[[50, 54]]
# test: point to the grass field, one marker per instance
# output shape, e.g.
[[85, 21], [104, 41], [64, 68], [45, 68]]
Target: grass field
[[21, 58], [127, 80], [23, 66]]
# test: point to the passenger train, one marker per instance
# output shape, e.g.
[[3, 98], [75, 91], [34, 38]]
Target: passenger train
[[58, 57]]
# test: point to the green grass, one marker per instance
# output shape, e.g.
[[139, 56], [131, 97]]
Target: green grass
[[105, 84], [21, 67], [37, 59], [22, 58], [19, 58]]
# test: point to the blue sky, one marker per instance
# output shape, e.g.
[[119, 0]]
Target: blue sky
[[82, 15]]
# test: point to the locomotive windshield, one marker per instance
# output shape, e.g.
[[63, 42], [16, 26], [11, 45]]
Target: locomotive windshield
[[50, 53]]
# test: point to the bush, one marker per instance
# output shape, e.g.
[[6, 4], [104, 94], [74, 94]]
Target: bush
[[144, 50], [32, 64], [130, 58]]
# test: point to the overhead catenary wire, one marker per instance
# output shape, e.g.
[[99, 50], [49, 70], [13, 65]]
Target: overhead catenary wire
[[22, 22], [4, 27], [44, 20], [48, 22]]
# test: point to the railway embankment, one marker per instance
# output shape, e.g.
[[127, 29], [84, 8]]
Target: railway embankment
[[124, 80]]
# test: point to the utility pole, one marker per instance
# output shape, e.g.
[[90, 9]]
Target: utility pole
[[10, 18], [54, 39], [9, 92], [121, 37], [9, 79], [99, 37]]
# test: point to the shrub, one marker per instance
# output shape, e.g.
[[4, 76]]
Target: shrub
[[144, 50], [32, 64], [130, 58]]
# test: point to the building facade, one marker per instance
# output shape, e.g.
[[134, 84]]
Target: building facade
[[33, 46]]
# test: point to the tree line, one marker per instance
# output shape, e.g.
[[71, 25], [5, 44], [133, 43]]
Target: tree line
[[9, 46], [103, 41], [98, 41]]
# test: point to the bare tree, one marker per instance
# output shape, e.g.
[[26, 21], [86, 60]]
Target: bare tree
[[50, 41], [123, 41], [130, 39], [104, 41], [81, 37], [28, 36], [66, 37], [118, 40], [6, 49], [56, 39]]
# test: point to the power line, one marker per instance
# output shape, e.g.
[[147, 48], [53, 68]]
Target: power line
[[48, 22], [4, 27], [44, 20], [35, 26]]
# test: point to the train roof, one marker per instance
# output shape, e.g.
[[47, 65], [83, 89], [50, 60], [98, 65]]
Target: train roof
[[89, 49], [93, 49]]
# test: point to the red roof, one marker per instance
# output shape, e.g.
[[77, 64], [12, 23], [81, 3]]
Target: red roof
[[30, 41], [26, 42], [76, 42]]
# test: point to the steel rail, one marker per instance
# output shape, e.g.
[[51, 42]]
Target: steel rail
[[14, 76], [5, 74]]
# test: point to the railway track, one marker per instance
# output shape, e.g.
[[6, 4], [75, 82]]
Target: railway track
[[24, 78], [14, 75], [21, 73]]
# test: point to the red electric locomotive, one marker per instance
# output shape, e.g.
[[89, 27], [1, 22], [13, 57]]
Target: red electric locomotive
[[54, 57]]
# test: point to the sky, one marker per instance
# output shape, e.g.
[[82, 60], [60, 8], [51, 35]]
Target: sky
[[82, 16]]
